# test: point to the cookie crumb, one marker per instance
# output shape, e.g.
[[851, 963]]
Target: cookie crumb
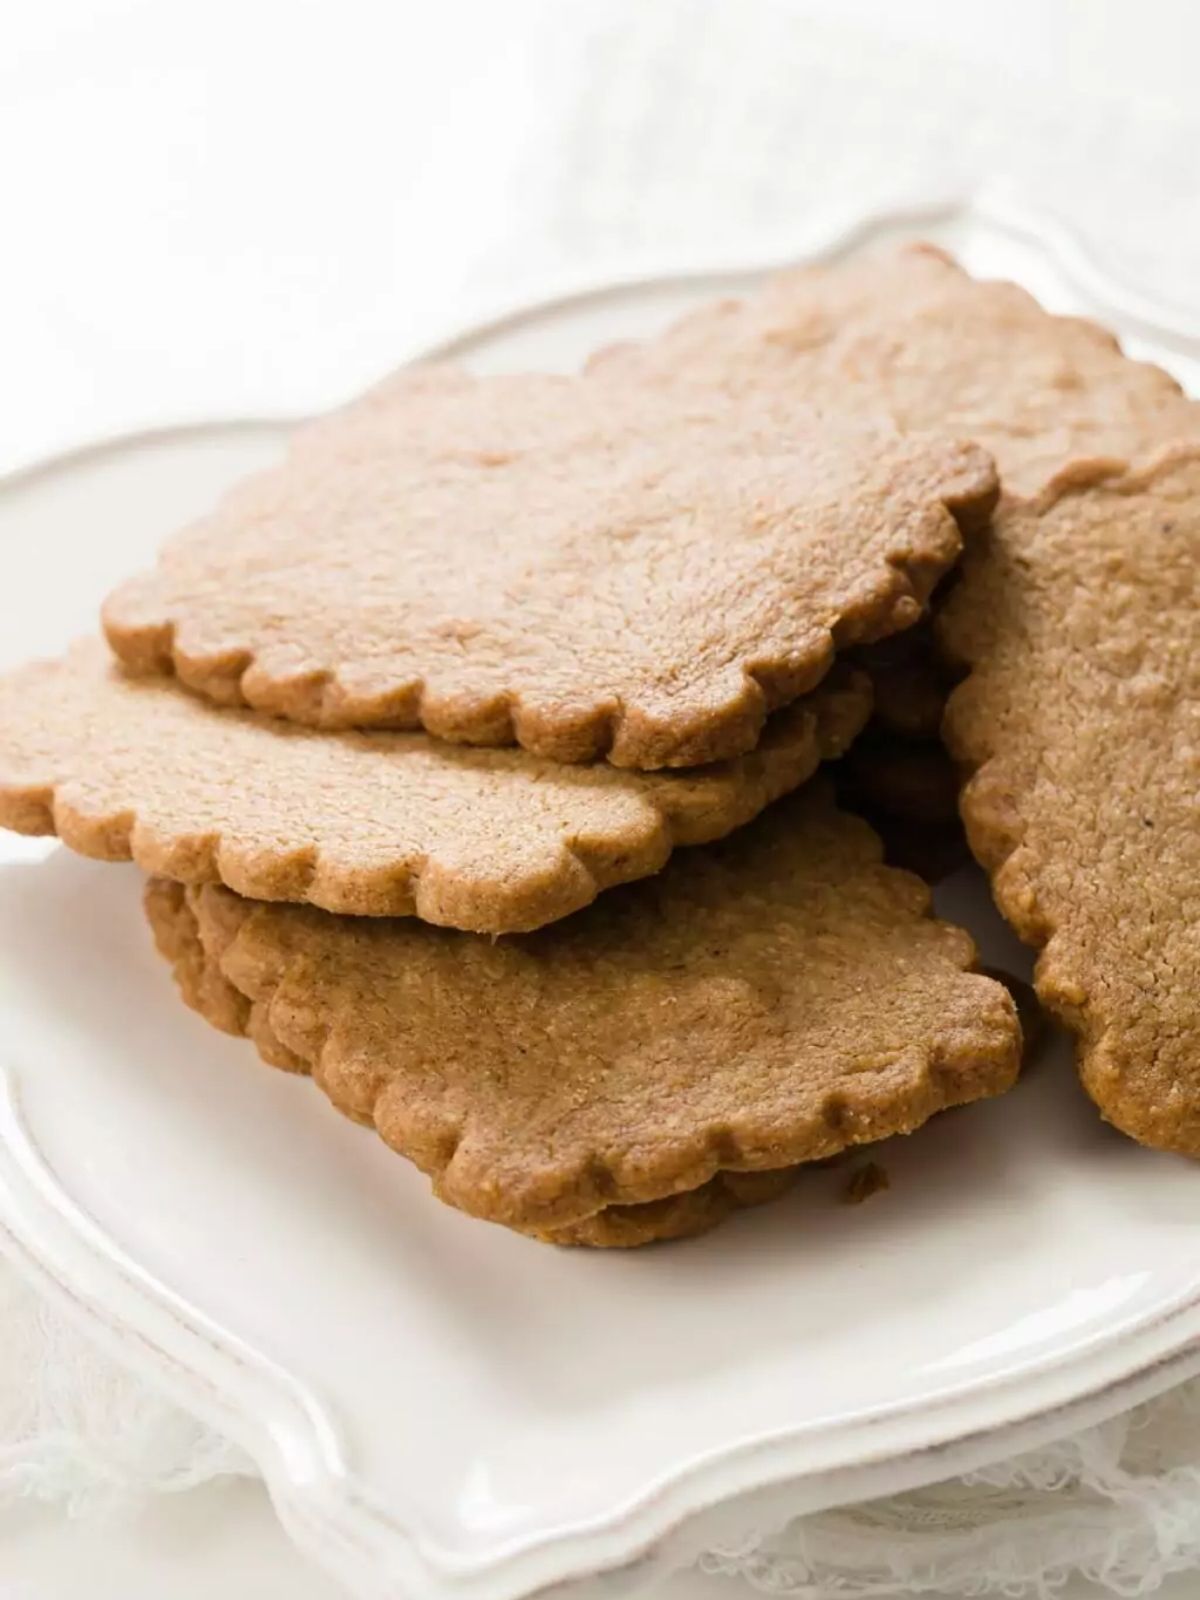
[[864, 1182]]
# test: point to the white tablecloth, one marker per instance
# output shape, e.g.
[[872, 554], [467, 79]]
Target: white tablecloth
[[252, 206]]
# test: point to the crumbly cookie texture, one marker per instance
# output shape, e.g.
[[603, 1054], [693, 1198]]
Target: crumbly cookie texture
[[916, 336], [1081, 722], [773, 1000], [583, 569], [385, 824]]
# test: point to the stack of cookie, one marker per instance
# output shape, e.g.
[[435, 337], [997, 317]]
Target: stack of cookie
[[482, 652], [1076, 616]]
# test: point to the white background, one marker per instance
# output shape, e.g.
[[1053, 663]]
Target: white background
[[252, 206]]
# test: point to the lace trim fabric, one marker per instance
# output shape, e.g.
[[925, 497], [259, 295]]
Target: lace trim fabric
[[1119, 1503], [78, 1430]]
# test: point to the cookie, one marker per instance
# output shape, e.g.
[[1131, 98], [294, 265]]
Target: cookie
[[680, 1216], [394, 824], [582, 569], [1034, 1025], [937, 349], [771, 1001], [208, 991], [1081, 723]]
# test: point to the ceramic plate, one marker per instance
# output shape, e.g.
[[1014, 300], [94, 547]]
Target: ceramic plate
[[443, 1409]]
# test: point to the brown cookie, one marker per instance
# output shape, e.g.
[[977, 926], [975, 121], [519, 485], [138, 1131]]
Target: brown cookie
[[378, 824], [205, 988], [679, 1216], [773, 1000], [1029, 1011], [1081, 720], [578, 568], [208, 991], [937, 349]]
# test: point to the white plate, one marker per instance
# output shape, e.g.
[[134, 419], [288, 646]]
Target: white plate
[[443, 1409]]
